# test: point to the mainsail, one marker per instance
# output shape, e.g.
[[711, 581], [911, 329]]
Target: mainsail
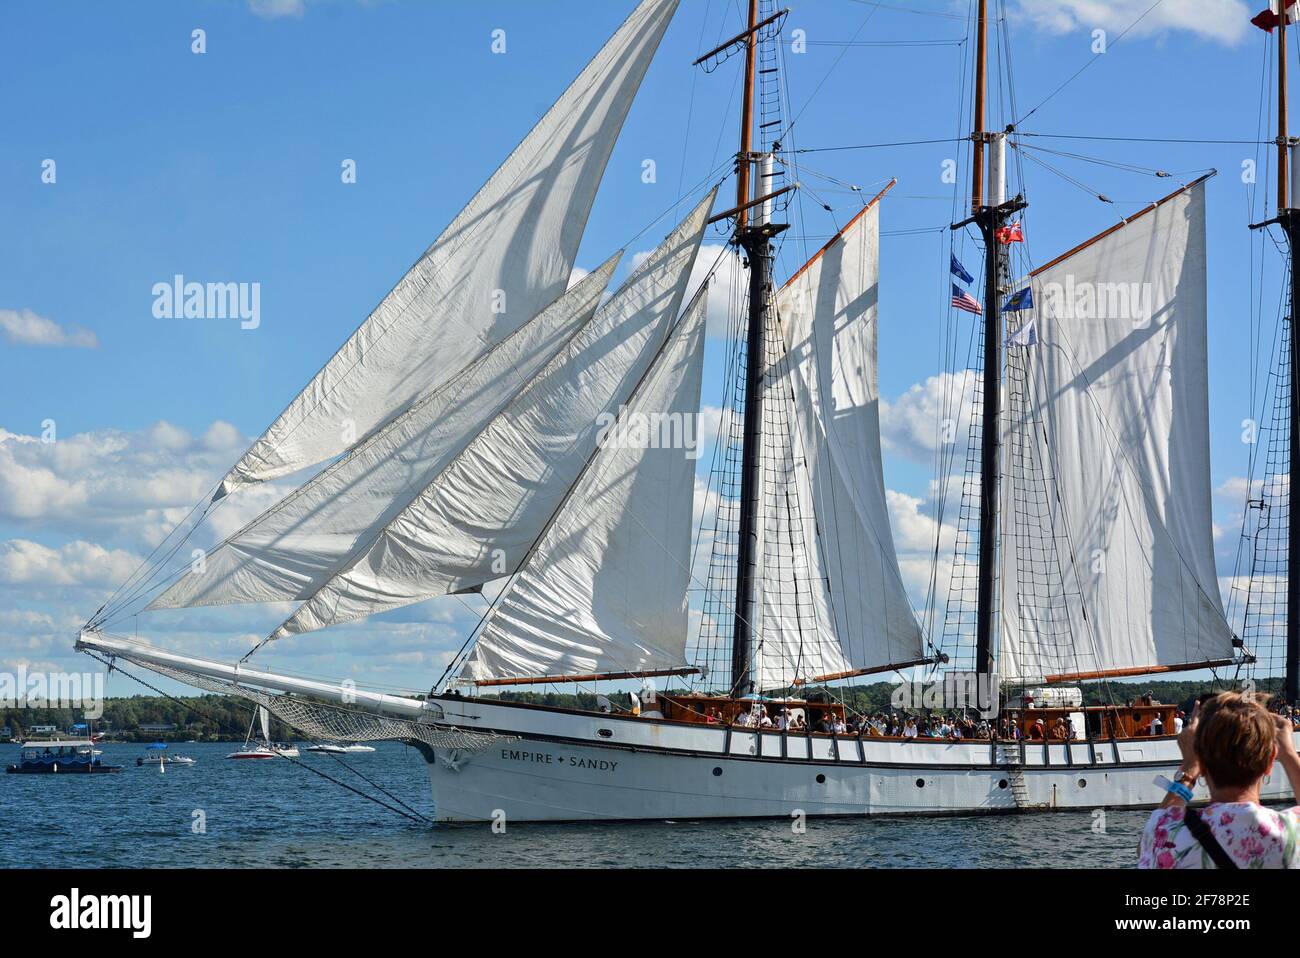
[[604, 591], [478, 519], [505, 257], [293, 548], [1117, 415], [827, 533]]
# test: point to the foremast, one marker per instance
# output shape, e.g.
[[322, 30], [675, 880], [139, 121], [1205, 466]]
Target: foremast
[[754, 233]]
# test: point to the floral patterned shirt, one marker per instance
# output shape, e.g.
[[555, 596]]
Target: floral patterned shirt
[[1255, 837]]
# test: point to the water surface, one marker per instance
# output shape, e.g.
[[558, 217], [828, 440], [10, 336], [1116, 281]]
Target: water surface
[[274, 814]]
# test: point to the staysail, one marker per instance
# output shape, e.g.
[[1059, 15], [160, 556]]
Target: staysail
[[293, 548], [1118, 418], [501, 261], [480, 516], [604, 591], [827, 535]]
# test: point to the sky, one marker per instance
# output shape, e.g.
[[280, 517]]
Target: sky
[[126, 158]]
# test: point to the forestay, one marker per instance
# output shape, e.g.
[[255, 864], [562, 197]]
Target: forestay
[[482, 514], [832, 518], [501, 261], [293, 548], [605, 589], [1118, 416]]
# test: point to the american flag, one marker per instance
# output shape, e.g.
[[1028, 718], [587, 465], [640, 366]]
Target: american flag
[[964, 300]]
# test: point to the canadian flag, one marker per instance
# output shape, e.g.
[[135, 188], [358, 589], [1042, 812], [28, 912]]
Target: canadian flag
[[1272, 17]]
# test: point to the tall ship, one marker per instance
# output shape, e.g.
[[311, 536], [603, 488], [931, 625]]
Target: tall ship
[[492, 430]]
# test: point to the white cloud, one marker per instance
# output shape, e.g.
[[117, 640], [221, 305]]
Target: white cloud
[[22, 327], [729, 277], [23, 562], [928, 415], [132, 487], [1225, 21], [914, 528], [277, 9], [577, 275]]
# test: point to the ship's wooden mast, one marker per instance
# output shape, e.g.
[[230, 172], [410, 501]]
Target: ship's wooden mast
[[989, 211], [754, 236], [1289, 218]]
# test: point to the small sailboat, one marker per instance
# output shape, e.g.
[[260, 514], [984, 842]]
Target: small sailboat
[[265, 749]]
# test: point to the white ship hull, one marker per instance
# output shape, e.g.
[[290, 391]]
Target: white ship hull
[[567, 766]]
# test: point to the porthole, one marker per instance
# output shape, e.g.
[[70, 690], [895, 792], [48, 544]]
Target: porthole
[[920, 783], [821, 779], [1003, 783], [1083, 783], [717, 772]]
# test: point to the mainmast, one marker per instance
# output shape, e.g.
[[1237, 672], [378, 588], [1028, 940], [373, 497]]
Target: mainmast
[[754, 236], [989, 211]]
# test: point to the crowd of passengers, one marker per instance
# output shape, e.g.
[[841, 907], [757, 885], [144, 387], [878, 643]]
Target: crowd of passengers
[[882, 724], [939, 725]]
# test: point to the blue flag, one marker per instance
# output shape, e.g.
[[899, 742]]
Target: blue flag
[[1024, 299], [959, 270]]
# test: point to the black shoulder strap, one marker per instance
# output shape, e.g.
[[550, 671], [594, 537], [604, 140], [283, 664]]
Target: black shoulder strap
[[1201, 832]]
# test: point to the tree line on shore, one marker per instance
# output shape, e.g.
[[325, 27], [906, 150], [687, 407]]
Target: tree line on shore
[[206, 718], [224, 718]]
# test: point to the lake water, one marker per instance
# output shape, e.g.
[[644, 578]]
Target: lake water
[[274, 814]]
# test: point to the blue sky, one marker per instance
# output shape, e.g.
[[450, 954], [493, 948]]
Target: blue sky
[[226, 166]]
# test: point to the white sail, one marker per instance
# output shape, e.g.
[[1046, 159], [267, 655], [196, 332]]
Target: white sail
[[293, 548], [604, 591], [504, 257], [265, 720], [478, 519], [1117, 419], [833, 598]]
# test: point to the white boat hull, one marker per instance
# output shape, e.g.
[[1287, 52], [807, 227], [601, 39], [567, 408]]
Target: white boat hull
[[560, 766]]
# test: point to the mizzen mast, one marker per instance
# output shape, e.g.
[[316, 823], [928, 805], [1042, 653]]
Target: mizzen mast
[[754, 233], [1288, 218]]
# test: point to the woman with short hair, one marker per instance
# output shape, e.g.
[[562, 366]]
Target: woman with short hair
[[1232, 741]]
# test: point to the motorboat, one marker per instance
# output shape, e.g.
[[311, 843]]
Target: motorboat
[[336, 748]]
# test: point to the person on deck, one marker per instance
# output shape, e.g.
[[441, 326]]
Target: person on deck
[[1036, 731], [1232, 741]]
